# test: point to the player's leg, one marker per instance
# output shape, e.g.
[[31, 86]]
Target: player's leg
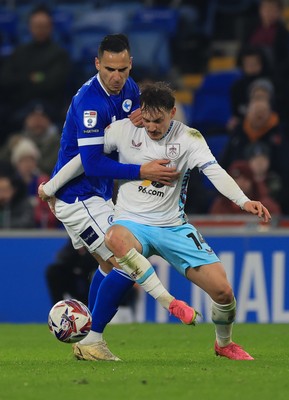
[[104, 267], [86, 223], [195, 259], [212, 279], [127, 248]]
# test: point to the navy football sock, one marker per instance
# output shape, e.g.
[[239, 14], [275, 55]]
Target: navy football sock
[[110, 293], [98, 277]]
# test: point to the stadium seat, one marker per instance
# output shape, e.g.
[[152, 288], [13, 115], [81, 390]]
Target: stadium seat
[[110, 20], [8, 31], [156, 18], [84, 51], [217, 144], [211, 108], [151, 53], [63, 21]]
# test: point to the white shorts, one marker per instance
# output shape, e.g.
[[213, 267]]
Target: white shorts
[[86, 222]]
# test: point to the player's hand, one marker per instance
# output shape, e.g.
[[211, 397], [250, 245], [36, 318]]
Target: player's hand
[[157, 171], [41, 193], [51, 203], [257, 208], [136, 118]]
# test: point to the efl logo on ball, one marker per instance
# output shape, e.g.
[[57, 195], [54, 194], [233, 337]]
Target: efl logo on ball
[[69, 320]]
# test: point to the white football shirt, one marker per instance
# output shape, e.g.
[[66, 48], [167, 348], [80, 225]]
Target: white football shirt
[[147, 202]]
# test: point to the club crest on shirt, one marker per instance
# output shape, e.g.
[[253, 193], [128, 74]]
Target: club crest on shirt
[[126, 105], [173, 150], [89, 118]]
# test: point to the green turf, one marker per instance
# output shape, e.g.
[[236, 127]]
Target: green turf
[[160, 362]]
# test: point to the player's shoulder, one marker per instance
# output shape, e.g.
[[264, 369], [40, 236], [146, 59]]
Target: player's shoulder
[[89, 93], [130, 84], [119, 125], [191, 133]]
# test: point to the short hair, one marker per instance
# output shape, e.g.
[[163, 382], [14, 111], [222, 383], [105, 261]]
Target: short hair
[[115, 43], [156, 96], [278, 3], [41, 9], [251, 51]]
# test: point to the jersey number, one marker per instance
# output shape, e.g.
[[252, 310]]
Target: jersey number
[[197, 242]]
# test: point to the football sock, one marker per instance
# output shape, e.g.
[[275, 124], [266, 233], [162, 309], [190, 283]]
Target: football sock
[[141, 270], [223, 316], [92, 338], [94, 285], [110, 293]]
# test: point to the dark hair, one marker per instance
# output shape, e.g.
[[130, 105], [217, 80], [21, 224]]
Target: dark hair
[[157, 96], [248, 51], [115, 43], [41, 8], [279, 3]]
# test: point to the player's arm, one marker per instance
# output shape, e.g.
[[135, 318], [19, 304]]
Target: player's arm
[[94, 163], [71, 170], [227, 186]]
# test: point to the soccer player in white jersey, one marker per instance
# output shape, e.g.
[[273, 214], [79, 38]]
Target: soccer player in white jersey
[[150, 219], [84, 204]]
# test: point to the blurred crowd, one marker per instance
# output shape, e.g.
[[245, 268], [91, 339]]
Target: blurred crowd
[[39, 75]]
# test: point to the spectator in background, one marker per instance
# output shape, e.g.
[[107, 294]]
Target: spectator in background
[[38, 126], [268, 182], [262, 89], [269, 32], [37, 70], [260, 125], [243, 175], [25, 157], [252, 63], [16, 211]]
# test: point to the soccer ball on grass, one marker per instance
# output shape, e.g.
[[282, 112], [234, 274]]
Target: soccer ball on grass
[[69, 320]]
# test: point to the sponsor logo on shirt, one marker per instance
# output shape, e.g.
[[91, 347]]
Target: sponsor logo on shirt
[[89, 118], [173, 150], [89, 236], [136, 145], [126, 105], [90, 130], [151, 192]]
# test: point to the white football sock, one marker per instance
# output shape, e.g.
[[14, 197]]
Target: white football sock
[[141, 271], [92, 338], [223, 316]]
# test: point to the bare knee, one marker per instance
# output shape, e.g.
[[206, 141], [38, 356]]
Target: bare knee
[[223, 295], [119, 240], [113, 237]]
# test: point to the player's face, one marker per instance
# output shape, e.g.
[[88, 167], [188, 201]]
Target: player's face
[[113, 70], [157, 123]]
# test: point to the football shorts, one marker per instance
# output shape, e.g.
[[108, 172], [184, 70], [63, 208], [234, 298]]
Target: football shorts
[[182, 246], [86, 222]]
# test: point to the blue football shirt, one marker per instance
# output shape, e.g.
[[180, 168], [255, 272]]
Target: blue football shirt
[[92, 109]]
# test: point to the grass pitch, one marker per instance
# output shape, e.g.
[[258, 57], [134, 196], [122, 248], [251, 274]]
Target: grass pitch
[[160, 362]]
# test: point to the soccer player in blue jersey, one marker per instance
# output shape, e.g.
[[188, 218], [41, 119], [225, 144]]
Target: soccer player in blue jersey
[[84, 204]]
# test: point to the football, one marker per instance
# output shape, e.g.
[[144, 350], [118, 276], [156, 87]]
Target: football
[[69, 320]]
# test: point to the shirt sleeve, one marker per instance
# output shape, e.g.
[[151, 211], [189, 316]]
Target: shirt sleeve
[[91, 124], [225, 184], [68, 172]]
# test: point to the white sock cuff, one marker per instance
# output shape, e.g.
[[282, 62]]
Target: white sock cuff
[[128, 257], [225, 307], [101, 271], [223, 314]]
